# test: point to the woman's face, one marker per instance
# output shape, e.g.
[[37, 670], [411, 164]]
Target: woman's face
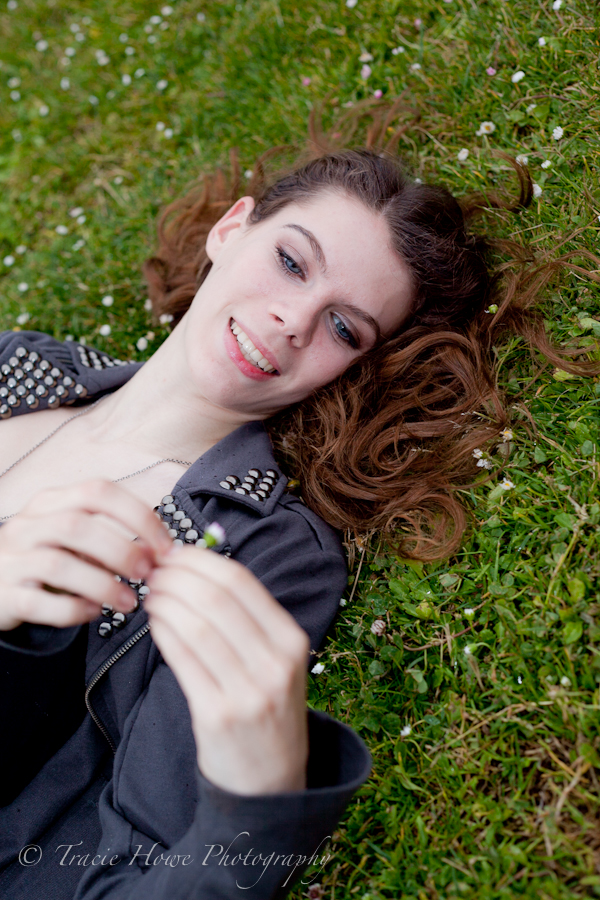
[[308, 288]]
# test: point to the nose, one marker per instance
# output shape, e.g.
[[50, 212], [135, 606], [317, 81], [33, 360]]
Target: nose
[[296, 320]]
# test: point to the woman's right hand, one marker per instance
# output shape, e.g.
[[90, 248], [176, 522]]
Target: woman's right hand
[[59, 541]]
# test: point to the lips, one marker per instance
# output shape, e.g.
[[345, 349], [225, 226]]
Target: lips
[[249, 350], [239, 356]]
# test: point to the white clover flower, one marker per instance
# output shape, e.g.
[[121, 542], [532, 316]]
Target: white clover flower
[[105, 330], [165, 318], [365, 71], [108, 300], [507, 435], [118, 179], [22, 286], [248, 173], [65, 84], [343, 601], [405, 731], [80, 36], [378, 627], [93, 100], [467, 650], [129, 50], [566, 682], [319, 667], [484, 463], [557, 133], [162, 84], [477, 453], [76, 211], [522, 159], [14, 82], [415, 67], [486, 128], [365, 57], [126, 79], [74, 27], [148, 304], [78, 244], [546, 164], [351, 3], [168, 132], [80, 220], [23, 318], [102, 60], [469, 612], [519, 679], [462, 155], [418, 181], [557, 4], [200, 17], [155, 20], [21, 249], [160, 126], [123, 38], [15, 95], [141, 343], [148, 29], [41, 46], [61, 229], [139, 72], [517, 76], [506, 484], [152, 39], [537, 190], [166, 10], [541, 41], [531, 108], [44, 110], [12, 5], [397, 50], [70, 51]]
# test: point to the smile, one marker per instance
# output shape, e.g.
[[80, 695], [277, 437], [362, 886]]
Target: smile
[[250, 353]]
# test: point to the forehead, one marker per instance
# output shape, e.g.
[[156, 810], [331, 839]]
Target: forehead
[[361, 265]]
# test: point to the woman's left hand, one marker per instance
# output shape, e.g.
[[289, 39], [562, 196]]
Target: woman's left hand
[[240, 659]]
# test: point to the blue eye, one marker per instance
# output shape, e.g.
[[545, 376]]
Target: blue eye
[[344, 332], [289, 265]]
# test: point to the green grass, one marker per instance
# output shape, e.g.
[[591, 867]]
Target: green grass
[[494, 792]]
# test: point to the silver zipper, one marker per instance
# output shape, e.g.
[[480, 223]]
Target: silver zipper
[[102, 671]]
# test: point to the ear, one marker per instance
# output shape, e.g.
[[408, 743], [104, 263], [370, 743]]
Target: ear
[[228, 226]]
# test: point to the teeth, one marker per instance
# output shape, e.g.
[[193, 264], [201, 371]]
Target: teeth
[[249, 351]]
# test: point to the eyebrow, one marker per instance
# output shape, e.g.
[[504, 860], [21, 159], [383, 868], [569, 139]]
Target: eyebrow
[[320, 257]]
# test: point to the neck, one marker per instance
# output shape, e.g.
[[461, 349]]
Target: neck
[[156, 410]]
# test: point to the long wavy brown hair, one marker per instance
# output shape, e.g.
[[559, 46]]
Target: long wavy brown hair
[[386, 447]]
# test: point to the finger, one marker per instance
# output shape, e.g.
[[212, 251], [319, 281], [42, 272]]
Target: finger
[[80, 532], [29, 604], [100, 496], [222, 609], [239, 581], [203, 640], [203, 694], [65, 572]]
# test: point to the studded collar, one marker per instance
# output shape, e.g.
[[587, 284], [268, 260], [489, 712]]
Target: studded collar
[[37, 372]]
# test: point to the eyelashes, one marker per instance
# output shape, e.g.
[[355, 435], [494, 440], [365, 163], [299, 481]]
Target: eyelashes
[[293, 269]]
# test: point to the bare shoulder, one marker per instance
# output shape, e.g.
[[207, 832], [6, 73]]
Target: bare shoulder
[[20, 433]]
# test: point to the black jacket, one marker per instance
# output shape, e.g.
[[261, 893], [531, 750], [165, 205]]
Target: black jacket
[[99, 766]]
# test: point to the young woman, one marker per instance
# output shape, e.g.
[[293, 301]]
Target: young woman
[[164, 749]]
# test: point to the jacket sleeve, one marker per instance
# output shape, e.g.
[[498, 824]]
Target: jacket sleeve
[[237, 847]]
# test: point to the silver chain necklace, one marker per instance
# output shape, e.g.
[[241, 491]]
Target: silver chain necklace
[[62, 425]]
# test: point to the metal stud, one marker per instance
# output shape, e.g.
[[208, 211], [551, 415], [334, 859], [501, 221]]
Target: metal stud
[[4, 392], [178, 515], [14, 362], [200, 543], [5, 369], [19, 374], [5, 411], [34, 356], [167, 499], [38, 374], [21, 352], [118, 620], [169, 509], [256, 496], [143, 591], [12, 383], [21, 390], [265, 486], [53, 402], [13, 401], [232, 479], [49, 381], [107, 610], [68, 381], [255, 473], [105, 629], [241, 490], [269, 480], [41, 391], [28, 366], [61, 391], [178, 543], [29, 384], [227, 485], [56, 373], [80, 390], [191, 535], [45, 365], [172, 533], [262, 494], [32, 401], [185, 524], [271, 473]]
